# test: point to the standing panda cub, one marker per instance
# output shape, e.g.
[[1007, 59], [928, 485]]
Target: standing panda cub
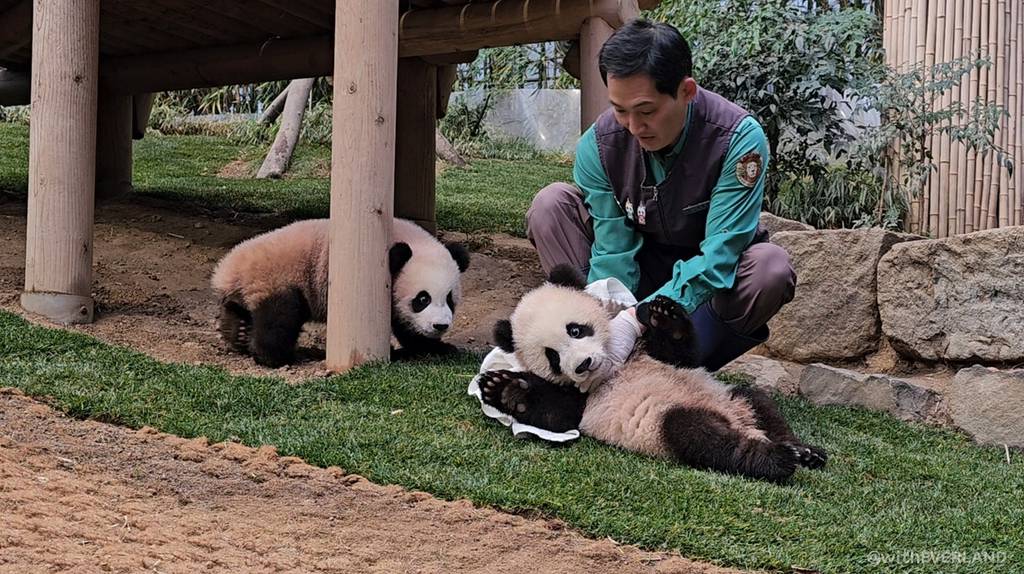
[[271, 285], [653, 404]]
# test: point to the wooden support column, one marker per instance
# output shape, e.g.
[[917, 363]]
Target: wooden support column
[[62, 160], [415, 151], [362, 182], [593, 92], [114, 145]]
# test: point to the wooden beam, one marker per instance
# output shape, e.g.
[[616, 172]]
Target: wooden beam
[[14, 89], [415, 151], [362, 182], [62, 160], [221, 66], [452, 29]]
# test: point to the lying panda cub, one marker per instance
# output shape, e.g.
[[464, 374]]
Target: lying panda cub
[[653, 405], [272, 284]]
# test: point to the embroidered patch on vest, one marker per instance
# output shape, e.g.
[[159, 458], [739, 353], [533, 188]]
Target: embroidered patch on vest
[[629, 209], [748, 169]]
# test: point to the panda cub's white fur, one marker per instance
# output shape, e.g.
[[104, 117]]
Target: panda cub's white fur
[[653, 404], [271, 284]]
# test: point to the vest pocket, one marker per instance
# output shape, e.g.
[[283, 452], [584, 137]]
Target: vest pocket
[[695, 208]]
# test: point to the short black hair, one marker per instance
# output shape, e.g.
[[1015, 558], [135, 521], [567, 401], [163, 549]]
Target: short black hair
[[652, 48]]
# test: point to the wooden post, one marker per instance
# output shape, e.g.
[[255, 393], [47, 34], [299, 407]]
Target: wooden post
[[593, 91], [114, 145], [62, 160], [362, 182], [415, 151]]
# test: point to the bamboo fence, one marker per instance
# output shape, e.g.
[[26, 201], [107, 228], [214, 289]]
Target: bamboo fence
[[968, 191]]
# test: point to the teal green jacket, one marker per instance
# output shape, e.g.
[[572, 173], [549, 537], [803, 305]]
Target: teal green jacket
[[732, 221]]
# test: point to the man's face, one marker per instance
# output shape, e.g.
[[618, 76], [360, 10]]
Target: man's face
[[654, 119]]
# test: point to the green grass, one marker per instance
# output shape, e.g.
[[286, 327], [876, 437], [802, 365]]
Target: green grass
[[890, 488], [489, 195]]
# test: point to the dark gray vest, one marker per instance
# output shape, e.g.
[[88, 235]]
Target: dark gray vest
[[671, 215]]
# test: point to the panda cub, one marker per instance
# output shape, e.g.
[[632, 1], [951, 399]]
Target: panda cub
[[654, 404], [272, 284]]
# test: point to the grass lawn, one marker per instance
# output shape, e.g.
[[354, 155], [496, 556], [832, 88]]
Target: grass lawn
[[489, 195], [895, 497]]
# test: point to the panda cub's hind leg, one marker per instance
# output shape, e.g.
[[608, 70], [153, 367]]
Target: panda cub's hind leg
[[533, 400], [775, 427], [702, 438], [670, 337], [276, 324]]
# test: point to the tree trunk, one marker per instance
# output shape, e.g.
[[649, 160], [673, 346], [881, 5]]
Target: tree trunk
[[280, 154], [274, 109], [446, 151]]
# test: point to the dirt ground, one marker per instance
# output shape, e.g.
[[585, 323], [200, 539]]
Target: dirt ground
[[86, 496]]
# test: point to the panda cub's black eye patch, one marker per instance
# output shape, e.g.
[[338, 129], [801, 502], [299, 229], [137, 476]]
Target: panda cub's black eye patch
[[577, 331], [451, 301], [420, 302]]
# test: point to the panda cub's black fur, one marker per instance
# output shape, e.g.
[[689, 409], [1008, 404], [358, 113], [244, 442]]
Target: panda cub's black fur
[[656, 404]]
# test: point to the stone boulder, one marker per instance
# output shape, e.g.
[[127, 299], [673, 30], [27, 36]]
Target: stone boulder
[[834, 315], [774, 224], [906, 399], [989, 405], [768, 374], [958, 299]]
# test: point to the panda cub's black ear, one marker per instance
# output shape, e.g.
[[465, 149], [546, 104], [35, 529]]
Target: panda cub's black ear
[[567, 276], [503, 336], [399, 254], [460, 255]]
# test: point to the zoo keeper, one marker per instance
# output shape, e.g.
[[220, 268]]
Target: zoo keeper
[[669, 188]]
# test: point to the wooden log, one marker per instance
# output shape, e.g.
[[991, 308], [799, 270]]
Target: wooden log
[[593, 92], [280, 155], [62, 160], [142, 107], [362, 182], [275, 108], [416, 150], [113, 145]]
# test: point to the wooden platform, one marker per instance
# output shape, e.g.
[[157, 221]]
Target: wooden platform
[[87, 61]]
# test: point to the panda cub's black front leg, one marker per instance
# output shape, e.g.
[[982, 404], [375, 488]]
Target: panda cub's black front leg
[[669, 337], [533, 400]]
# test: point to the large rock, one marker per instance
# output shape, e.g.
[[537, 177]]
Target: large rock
[[768, 374], [960, 298], [775, 224], [989, 404], [834, 315], [909, 400]]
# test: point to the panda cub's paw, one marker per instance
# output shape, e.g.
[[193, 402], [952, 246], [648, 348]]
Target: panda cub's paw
[[506, 391], [810, 456], [667, 316]]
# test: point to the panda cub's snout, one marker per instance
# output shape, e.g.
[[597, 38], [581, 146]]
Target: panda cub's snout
[[584, 366]]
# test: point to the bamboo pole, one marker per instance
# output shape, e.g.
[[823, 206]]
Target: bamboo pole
[[977, 88], [947, 39], [917, 216], [935, 182], [985, 93], [1018, 204], [1003, 182], [958, 161], [966, 172], [62, 160], [991, 175], [362, 182], [888, 35]]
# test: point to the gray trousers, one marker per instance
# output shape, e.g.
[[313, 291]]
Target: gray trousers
[[559, 226]]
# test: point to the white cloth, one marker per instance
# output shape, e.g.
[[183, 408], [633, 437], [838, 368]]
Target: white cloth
[[616, 298]]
